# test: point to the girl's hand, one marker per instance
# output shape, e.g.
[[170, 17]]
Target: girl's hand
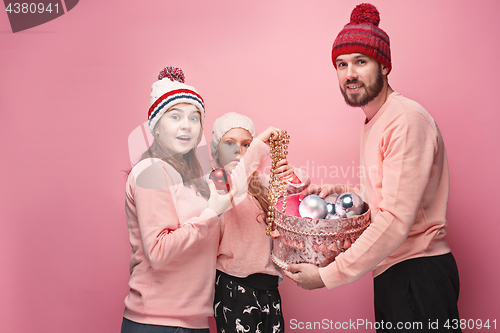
[[266, 134], [284, 170], [219, 203]]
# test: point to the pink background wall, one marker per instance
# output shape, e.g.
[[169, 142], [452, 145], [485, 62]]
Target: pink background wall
[[73, 89]]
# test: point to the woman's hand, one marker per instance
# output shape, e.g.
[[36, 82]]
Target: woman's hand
[[219, 203], [266, 134]]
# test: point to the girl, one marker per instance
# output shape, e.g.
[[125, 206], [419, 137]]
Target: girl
[[246, 288], [172, 218]]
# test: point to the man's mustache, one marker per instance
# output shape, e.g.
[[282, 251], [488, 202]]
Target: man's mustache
[[351, 81]]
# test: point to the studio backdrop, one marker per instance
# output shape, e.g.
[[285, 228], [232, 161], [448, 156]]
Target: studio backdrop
[[74, 87]]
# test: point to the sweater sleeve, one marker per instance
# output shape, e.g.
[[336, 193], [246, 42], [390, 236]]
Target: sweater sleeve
[[249, 163], [294, 188], [407, 147], [163, 236], [291, 188], [252, 161]]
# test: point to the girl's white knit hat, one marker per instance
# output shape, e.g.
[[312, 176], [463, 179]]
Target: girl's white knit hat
[[227, 122], [170, 90]]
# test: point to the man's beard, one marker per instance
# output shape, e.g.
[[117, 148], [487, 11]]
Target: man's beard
[[371, 91]]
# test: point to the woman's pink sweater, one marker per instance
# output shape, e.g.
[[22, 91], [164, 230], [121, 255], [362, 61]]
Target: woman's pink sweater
[[174, 238]]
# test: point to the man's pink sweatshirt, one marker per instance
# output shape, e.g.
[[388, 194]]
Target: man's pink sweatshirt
[[405, 180]]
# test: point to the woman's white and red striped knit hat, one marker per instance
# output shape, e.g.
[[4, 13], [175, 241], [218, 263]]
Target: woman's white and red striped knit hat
[[170, 90]]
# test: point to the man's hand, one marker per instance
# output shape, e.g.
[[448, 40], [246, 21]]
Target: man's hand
[[305, 275]]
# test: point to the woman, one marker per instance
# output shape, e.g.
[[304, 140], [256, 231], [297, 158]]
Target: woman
[[172, 218]]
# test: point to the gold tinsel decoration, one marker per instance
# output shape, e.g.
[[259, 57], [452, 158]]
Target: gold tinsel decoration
[[277, 187]]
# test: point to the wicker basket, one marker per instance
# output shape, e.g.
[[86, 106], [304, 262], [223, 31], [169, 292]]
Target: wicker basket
[[302, 240]]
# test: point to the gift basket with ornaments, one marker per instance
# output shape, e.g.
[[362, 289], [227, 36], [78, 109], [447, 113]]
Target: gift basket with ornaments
[[313, 230]]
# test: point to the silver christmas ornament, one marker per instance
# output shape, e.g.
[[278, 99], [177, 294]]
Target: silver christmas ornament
[[349, 204], [330, 203], [331, 217], [330, 208], [313, 207]]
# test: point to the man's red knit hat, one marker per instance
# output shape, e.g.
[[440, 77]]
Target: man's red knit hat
[[362, 35]]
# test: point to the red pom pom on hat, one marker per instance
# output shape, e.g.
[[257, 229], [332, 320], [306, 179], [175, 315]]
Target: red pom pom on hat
[[365, 13], [172, 73]]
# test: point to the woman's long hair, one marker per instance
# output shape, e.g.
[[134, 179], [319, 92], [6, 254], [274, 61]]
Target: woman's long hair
[[187, 165], [259, 192]]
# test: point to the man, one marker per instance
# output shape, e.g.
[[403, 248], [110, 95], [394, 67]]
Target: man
[[405, 183]]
